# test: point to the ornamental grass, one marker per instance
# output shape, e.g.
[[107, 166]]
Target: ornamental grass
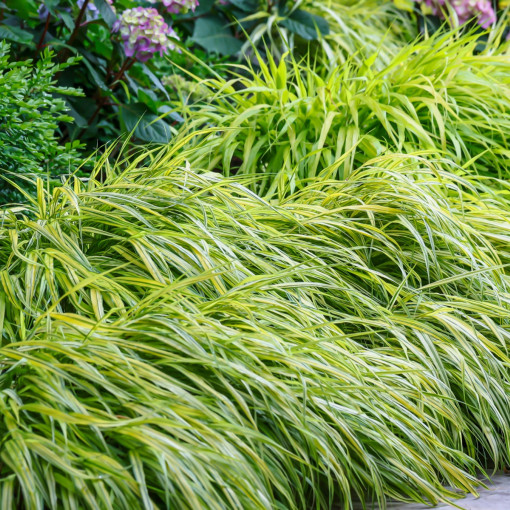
[[282, 124], [172, 340]]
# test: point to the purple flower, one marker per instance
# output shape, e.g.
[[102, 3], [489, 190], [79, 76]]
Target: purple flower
[[481, 10], [43, 12], [144, 33], [177, 6], [92, 10]]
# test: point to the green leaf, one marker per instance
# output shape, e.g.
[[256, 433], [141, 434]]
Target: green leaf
[[307, 25], [79, 119], [155, 80], [429, 24], [246, 5], [215, 36], [96, 77], [99, 35], [24, 8], [16, 34], [148, 98], [407, 5], [166, 111], [106, 12], [146, 126], [67, 19], [52, 6], [204, 7]]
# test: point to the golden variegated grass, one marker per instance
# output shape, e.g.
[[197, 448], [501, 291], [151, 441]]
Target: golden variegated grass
[[283, 123], [171, 340]]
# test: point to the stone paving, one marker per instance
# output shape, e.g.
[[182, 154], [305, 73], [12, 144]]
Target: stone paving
[[497, 497]]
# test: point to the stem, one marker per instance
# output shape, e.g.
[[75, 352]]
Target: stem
[[128, 63], [77, 24], [126, 66], [100, 105], [43, 35], [62, 55]]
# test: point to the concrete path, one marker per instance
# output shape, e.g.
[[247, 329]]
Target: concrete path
[[497, 497]]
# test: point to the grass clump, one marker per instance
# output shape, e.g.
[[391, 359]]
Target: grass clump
[[171, 339], [291, 121]]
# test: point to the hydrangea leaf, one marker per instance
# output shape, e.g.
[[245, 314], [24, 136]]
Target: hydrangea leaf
[[215, 36], [307, 25]]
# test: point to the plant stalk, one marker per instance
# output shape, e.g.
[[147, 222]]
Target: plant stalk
[[43, 35]]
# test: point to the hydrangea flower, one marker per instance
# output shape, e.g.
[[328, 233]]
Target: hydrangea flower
[[144, 33], [481, 10], [189, 90], [177, 6]]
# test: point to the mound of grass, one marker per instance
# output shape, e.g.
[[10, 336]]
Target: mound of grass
[[169, 339], [289, 122]]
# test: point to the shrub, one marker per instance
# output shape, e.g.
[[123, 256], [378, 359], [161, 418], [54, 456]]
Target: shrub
[[229, 27], [122, 44], [116, 43], [170, 339], [31, 109]]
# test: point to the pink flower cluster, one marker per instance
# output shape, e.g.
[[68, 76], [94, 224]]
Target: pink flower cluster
[[144, 33], [177, 6], [481, 10]]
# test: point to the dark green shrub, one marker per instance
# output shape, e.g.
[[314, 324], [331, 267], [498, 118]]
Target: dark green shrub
[[31, 109], [123, 82]]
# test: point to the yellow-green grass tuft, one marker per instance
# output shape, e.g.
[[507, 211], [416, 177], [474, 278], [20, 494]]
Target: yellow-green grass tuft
[[169, 339]]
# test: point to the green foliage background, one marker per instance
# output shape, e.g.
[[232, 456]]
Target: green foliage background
[[31, 108]]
